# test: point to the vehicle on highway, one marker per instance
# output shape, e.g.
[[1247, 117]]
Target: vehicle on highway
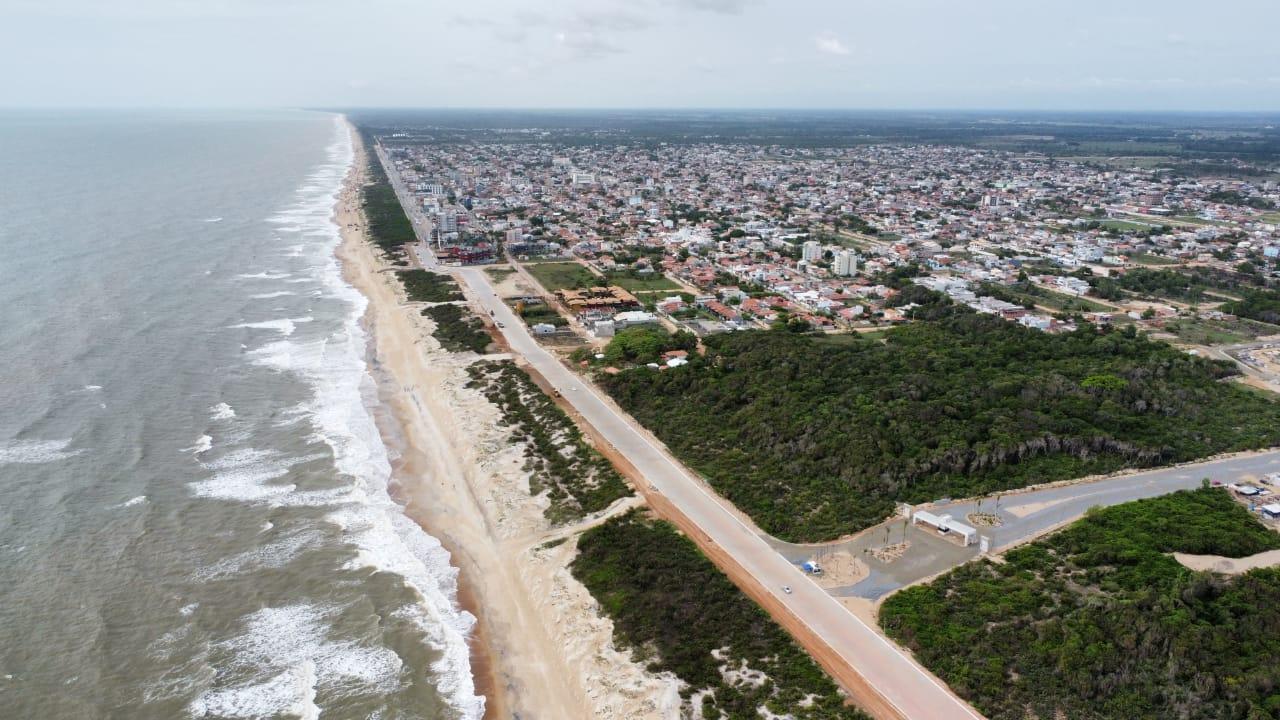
[[786, 589], [500, 324]]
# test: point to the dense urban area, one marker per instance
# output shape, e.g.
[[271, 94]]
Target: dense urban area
[[841, 323]]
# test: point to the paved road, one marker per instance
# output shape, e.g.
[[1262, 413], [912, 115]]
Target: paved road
[[914, 692], [1023, 515], [904, 685]]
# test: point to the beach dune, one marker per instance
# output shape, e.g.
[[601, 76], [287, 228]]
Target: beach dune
[[541, 650]]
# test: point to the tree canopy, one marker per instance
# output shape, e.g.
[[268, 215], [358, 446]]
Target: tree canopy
[[816, 440], [1098, 622]]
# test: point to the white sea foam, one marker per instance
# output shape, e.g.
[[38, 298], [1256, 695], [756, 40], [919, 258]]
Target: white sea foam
[[246, 475], [35, 452], [92, 388], [265, 276], [222, 411], [213, 219], [291, 642], [203, 444], [286, 648], [385, 538], [270, 295], [133, 501], [284, 326], [276, 554]]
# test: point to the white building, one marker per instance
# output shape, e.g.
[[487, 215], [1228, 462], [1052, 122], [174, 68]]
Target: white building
[[633, 317], [448, 221], [846, 263], [811, 251]]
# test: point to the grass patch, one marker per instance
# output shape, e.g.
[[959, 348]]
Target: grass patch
[[457, 329], [560, 275], [1025, 293], [674, 609], [653, 283], [1201, 331], [427, 286], [1126, 226], [577, 479], [534, 314], [499, 273], [1098, 621], [1149, 259]]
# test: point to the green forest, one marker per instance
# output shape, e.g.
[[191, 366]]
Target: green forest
[[816, 440], [1186, 284], [674, 609], [578, 479], [1098, 622], [1261, 305]]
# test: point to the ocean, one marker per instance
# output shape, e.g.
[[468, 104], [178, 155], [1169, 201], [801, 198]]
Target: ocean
[[195, 516]]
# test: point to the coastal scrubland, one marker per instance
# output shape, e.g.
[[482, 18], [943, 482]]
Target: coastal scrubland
[[457, 329], [578, 480], [816, 440], [427, 286], [680, 614], [388, 226], [1099, 622]]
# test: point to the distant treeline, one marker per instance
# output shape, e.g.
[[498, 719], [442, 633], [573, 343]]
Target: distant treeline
[[1100, 622], [1250, 137]]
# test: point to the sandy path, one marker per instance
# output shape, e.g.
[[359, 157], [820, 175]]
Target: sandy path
[[549, 652], [1229, 566]]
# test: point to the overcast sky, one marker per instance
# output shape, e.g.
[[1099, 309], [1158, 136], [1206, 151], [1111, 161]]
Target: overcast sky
[[1033, 54]]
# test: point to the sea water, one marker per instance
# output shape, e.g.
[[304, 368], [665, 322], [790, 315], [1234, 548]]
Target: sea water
[[194, 509]]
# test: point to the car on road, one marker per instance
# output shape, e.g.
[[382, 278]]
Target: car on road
[[786, 589], [500, 324]]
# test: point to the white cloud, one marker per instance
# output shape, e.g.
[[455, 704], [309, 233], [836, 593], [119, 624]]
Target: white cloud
[[828, 43]]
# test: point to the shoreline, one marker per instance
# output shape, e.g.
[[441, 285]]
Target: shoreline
[[540, 647], [348, 218]]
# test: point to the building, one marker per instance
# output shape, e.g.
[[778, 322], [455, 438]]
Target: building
[[598, 300], [846, 263], [448, 221], [944, 524], [631, 318], [811, 251]]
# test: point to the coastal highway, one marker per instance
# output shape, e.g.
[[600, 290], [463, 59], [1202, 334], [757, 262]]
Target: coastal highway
[[906, 687], [903, 686]]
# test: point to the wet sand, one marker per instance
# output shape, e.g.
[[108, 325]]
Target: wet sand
[[541, 648]]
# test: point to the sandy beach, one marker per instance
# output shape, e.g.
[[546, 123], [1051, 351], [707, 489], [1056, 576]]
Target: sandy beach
[[541, 649]]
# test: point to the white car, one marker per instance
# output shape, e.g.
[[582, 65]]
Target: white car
[[786, 589]]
